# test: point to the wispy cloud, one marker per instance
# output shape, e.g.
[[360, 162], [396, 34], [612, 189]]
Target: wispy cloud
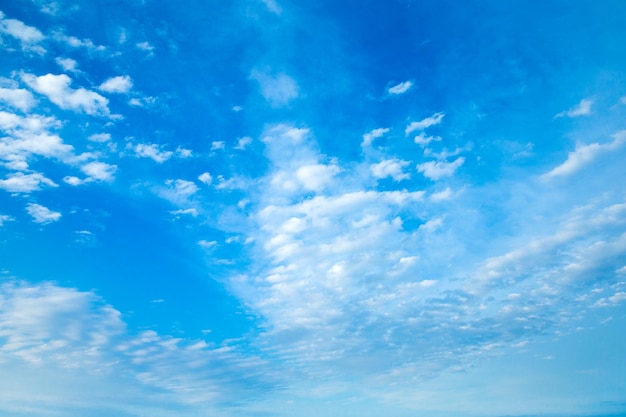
[[19, 182], [433, 120], [278, 89], [393, 168], [436, 170], [57, 89], [369, 137], [18, 98], [120, 84], [582, 109], [42, 214], [584, 155], [28, 36], [400, 88]]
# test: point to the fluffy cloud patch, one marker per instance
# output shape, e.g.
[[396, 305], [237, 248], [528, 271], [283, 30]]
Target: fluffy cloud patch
[[393, 168], [316, 176], [400, 88], [152, 151], [99, 171], [206, 178], [582, 109], [25, 183], [278, 89], [57, 89], [436, 170], [5, 218], [422, 139], [119, 84], [433, 120], [584, 155], [42, 214], [27, 35], [369, 137], [18, 98]]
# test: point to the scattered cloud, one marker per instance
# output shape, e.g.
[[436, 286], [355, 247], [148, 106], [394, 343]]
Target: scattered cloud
[[400, 88], [99, 171], [189, 211], [433, 120], [206, 178], [369, 137], [272, 6], [145, 46], [584, 155], [19, 182], [120, 84], [217, 145], [424, 140], [57, 89], [5, 218], [42, 214], [279, 89], [18, 98], [393, 168], [28, 36], [436, 170], [582, 109], [242, 143], [152, 151], [100, 137], [68, 64]]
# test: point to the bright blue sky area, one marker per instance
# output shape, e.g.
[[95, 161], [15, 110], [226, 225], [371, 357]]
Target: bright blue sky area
[[281, 208]]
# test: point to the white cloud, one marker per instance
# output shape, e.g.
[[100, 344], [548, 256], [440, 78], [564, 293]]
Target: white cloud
[[278, 90], [68, 64], [42, 214], [393, 168], [145, 46], [18, 98], [28, 36], [100, 137], [178, 191], [436, 170], [400, 88], [424, 140], [218, 144], [585, 154], [272, 6], [152, 151], [28, 136], [183, 153], [433, 120], [99, 171], [206, 178], [189, 211], [5, 218], [242, 143], [19, 182], [443, 195], [75, 42], [57, 89], [207, 244], [119, 84], [316, 176], [582, 109], [369, 137]]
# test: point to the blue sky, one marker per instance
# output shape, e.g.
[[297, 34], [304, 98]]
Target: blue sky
[[281, 208]]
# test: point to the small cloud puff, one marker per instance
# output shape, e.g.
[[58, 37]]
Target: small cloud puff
[[393, 168], [585, 154], [25, 183], [119, 84], [152, 151], [436, 170], [582, 109], [18, 98], [42, 214], [278, 90], [435, 119], [400, 88], [206, 178], [57, 89], [369, 137]]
